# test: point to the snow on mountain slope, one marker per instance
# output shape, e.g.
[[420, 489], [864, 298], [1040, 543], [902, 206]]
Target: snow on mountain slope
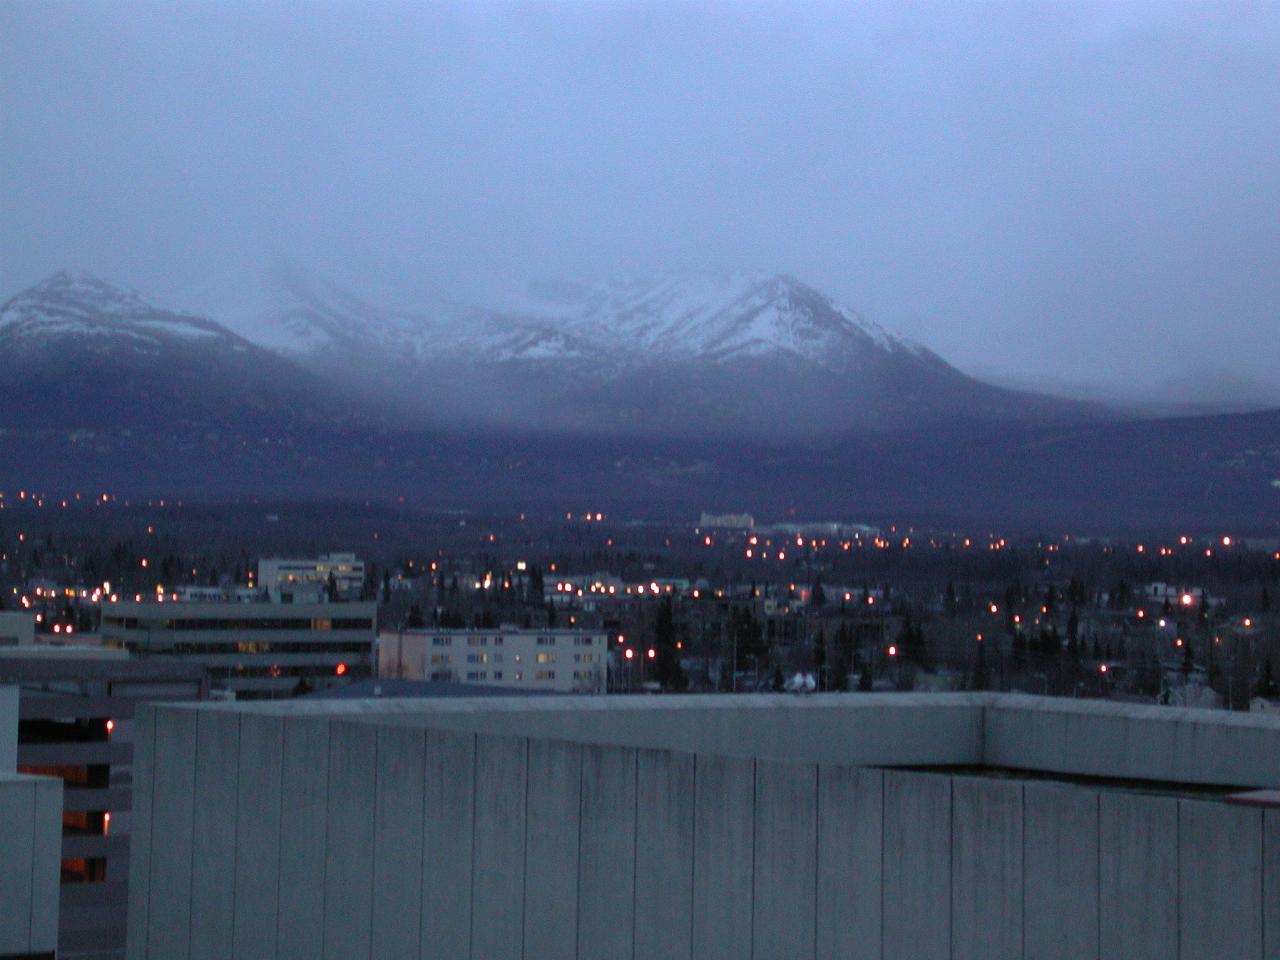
[[700, 317], [709, 316], [73, 305]]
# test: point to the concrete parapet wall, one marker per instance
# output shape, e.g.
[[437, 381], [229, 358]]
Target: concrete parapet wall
[[494, 833], [30, 853]]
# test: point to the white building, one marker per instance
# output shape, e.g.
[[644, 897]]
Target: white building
[[283, 577], [726, 521], [17, 629], [553, 660]]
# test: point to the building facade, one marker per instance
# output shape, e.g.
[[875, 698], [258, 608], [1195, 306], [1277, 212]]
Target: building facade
[[828, 827], [75, 723], [564, 661], [17, 629], [286, 578], [30, 809], [252, 649]]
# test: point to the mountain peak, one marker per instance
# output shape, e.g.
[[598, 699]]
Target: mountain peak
[[77, 304]]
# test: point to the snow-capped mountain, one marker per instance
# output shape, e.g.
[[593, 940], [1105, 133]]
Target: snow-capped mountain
[[75, 307], [81, 352], [710, 317], [682, 353], [703, 318]]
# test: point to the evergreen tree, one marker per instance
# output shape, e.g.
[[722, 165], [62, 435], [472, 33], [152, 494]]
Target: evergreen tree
[[842, 663], [1266, 683], [818, 594], [820, 658], [980, 680], [950, 605]]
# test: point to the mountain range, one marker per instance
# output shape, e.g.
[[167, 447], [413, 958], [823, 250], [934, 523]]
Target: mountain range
[[678, 392], [706, 354]]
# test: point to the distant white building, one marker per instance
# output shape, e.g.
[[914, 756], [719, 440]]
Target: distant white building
[[726, 521], [553, 660], [286, 579]]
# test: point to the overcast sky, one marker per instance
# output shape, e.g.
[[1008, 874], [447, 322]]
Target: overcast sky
[[1089, 193]]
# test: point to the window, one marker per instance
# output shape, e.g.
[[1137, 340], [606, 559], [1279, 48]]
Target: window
[[442, 641], [477, 641], [477, 658], [546, 658], [545, 675], [497, 675]]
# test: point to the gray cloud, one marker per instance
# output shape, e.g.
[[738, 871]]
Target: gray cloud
[[1087, 194]]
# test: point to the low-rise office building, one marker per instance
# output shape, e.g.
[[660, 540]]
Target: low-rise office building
[[285, 578], [252, 649], [564, 661]]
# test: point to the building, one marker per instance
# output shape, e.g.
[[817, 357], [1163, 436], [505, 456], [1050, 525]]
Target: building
[[287, 578], [75, 723], [564, 661], [898, 826], [726, 521], [252, 649], [30, 809], [17, 629]]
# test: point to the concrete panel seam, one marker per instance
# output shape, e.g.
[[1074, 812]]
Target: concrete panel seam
[[693, 858], [577, 933], [817, 848], [524, 856], [235, 842], [422, 849], [373, 853], [35, 843], [191, 880], [635, 846], [475, 781], [1022, 826], [1097, 806], [951, 873], [881, 778], [279, 822], [755, 802]]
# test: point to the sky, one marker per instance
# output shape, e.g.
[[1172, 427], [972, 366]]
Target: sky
[[1076, 194]]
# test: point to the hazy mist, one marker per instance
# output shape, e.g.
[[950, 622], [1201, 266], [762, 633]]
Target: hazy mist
[[1085, 196]]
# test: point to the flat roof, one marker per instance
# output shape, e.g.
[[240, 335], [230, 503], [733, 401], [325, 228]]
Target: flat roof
[[1075, 738]]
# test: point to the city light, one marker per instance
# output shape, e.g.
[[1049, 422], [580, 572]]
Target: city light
[[630, 653], [652, 653], [340, 669], [893, 651]]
